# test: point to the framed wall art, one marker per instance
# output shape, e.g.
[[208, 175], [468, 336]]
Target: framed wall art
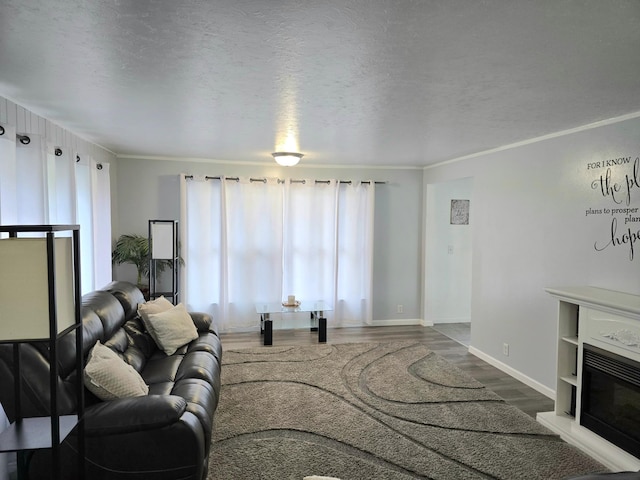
[[460, 212]]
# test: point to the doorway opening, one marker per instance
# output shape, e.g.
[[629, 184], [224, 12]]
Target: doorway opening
[[448, 258]]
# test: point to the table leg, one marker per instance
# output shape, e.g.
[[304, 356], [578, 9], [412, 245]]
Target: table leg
[[322, 330], [268, 330], [313, 321]]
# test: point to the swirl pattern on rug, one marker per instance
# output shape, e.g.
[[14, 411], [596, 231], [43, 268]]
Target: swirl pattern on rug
[[384, 411]]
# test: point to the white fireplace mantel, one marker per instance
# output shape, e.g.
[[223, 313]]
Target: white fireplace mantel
[[606, 319]]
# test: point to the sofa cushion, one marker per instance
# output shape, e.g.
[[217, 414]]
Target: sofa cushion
[[140, 344], [122, 345], [200, 365], [109, 377], [171, 329], [108, 309], [161, 368], [118, 342], [139, 338], [92, 331], [206, 342], [128, 295]]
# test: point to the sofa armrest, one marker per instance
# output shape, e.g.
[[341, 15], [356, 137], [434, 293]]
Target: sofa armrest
[[133, 414], [152, 437], [202, 321]]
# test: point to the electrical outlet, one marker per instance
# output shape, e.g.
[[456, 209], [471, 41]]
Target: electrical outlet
[[505, 349], [400, 308]]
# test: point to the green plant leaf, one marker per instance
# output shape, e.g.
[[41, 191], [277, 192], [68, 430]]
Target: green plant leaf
[[134, 249]]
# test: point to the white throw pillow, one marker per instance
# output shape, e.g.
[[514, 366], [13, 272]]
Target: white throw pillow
[[171, 329], [108, 376], [158, 305]]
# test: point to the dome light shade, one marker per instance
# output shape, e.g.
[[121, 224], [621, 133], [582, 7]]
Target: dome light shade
[[287, 159]]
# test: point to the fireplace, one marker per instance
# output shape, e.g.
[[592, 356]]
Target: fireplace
[[597, 396], [611, 397]]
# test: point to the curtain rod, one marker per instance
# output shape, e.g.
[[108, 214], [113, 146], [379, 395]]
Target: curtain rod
[[264, 180]]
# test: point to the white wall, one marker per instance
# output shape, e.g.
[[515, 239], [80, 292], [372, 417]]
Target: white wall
[[447, 255], [149, 189], [531, 231]]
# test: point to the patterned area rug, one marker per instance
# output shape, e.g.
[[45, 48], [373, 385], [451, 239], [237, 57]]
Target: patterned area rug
[[373, 411]]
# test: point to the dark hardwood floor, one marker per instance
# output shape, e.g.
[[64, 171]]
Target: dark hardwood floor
[[511, 390]]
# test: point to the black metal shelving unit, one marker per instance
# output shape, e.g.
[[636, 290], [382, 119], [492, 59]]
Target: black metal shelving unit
[[26, 434], [166, 249]]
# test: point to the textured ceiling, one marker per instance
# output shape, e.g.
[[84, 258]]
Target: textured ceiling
[[357, 82]]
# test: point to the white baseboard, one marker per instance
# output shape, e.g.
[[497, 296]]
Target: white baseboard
[[436, 320], [375, 323], [593, 445], [543, 389], [399, 322]]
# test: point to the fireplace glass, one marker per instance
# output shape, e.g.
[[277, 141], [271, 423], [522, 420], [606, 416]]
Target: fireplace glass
[[611, 398]]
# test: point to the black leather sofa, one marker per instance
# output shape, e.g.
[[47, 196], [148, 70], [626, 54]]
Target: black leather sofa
[[163, 435]]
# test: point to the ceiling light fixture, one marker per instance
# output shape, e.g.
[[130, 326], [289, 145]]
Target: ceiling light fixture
[[287, 159]]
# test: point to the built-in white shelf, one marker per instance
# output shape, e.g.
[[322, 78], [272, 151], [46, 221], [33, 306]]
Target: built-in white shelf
[[571, 380], [579, 309], [573, 340]]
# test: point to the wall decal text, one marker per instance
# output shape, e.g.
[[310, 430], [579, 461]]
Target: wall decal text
[[618, 183]]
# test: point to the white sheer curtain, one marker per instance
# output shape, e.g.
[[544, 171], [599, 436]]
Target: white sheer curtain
[[101, 206], [310, 246], [38, 186], [31, 181], [85, 220], [233, 254], [251, 241], [201, 245], [93, 203], [253, 227], [61, 186], [353, 303], [8, 176]]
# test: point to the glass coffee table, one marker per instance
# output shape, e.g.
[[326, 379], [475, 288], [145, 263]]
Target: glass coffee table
[[316, 313]]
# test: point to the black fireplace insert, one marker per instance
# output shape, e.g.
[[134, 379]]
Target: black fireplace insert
[[611, 397]]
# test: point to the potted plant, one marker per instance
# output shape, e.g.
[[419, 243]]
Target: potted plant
[[131, 248], [134, 249]]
